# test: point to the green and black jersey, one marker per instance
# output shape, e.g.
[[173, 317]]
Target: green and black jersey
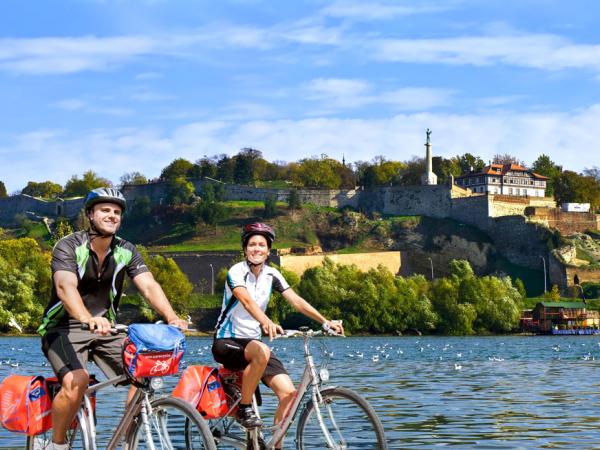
[[99, 287]]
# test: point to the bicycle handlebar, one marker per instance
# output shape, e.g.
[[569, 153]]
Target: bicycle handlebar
[[305, 331], [117, 329]]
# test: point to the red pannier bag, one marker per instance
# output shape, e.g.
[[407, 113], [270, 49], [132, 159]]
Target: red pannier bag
[[201, 386], [25, 404], [153, 350]]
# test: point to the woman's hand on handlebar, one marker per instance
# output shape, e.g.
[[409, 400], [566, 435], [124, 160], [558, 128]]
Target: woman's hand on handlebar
[[271, 329], [333, 327], [179, 323]]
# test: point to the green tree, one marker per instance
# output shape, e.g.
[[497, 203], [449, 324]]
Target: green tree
[[177, 169], [3, 193], [44, 189], [321, 172], [294, 200], [444, 168], [468, 162], [553, 295], [544, 166], [25, 283], [244, 167], [379, 172], [225, 169], [179, 191], [270, 210], [207, 166], [412, 173], [520, 287], [174, 282], [209, 208], [572, 187], [63, 228], [133, 178], [77, 187]]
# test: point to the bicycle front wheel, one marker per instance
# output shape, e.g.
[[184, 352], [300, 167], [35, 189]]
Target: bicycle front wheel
[[172, 424], [347, 420]]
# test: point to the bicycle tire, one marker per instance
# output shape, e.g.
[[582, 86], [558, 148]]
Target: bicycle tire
[[168, 420], [76, 439], [353, 423]]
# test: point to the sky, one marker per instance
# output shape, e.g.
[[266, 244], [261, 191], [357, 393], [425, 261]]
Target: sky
[[117, 86]]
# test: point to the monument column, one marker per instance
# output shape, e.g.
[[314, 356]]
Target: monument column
[[428, 177]]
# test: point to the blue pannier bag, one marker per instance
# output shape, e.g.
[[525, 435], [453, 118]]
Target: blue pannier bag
[[153, 350]]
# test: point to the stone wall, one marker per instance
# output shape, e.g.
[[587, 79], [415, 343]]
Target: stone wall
[[432, 201], [364, 261], [584, 274], [566, 222], [36, 207], [197, 266]]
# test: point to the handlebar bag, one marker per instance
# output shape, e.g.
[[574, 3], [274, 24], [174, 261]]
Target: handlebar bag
[[202, 387], [25, 404], [153, 350]]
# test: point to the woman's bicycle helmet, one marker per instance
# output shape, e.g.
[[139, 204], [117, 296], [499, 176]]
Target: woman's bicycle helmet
[[263, 229]]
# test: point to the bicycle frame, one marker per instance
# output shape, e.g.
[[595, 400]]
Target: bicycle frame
[[309, 380]]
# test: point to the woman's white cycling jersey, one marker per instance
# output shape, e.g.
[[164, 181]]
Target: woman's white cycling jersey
[[235, 321]]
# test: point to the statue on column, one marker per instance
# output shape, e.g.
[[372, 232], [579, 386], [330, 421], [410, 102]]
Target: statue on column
[[428, 133]]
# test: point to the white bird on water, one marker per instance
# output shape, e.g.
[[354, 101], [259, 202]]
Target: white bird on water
[[457, 366]]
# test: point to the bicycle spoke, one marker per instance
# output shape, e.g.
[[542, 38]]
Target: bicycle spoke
[[347, 420]]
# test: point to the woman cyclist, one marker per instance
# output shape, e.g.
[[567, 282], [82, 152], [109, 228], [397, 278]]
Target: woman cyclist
[[237, 342]]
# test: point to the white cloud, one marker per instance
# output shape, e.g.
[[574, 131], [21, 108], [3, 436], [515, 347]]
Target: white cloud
[[568, 138], [540, 51], [70, 104], [363, 11], [72, 54], [337, 93]]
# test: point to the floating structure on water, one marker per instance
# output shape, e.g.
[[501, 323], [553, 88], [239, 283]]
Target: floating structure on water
[[561, 318]]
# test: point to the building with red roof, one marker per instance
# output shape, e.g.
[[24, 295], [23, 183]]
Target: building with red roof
[[504, 179]]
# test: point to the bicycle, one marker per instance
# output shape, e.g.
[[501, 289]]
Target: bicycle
[[148, 423], [329, 417]]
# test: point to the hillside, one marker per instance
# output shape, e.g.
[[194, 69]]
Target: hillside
[[424, 242]]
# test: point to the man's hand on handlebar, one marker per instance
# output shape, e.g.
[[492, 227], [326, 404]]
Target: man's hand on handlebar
[[271, 329], [98, 325]]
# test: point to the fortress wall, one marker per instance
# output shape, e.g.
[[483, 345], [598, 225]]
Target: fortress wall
[[37, 207], [566, 222], [472, 210], [584, 274], [522, 242], [364, 261], [433, 201]]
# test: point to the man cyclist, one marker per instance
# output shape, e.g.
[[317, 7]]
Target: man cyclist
[[237, 342], [88, 271]]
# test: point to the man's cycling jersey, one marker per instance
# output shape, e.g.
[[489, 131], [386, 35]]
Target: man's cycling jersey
[[99, 287], [235, 321]]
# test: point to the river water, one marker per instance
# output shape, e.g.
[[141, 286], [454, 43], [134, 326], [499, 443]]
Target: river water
[[508, 392]]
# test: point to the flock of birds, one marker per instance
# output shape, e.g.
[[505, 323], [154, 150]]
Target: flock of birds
[[376, 353]]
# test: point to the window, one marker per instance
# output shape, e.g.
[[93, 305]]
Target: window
[[510, 192]]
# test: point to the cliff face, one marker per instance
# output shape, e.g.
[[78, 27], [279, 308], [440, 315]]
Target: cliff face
[[513, 247]]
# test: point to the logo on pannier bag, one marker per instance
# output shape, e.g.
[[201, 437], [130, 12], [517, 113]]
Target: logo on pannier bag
[[160, 367], [36, 393]]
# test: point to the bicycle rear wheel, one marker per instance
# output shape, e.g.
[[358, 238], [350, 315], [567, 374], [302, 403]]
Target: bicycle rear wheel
[[349, 419], [75, 438], [173, 424]]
